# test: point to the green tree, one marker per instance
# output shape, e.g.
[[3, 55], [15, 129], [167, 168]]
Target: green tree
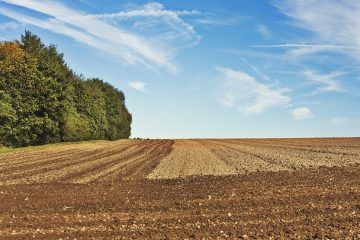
[[42, 100]]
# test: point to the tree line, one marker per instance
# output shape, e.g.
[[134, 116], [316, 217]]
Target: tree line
[[42, 100]]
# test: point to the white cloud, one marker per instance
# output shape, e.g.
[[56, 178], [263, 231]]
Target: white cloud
[[260, 73], [264, 31], [214, 20], [256, 70], [301, 113], [153, 46], [257, 54], [337, 121], [248, 95], [335, 23], [9, 25], [153, 17], [151, 9], [341, 121], [298, 50], [328, 82], [139, 86]]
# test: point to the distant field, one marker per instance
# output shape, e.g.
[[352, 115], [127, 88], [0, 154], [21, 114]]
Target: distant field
[[234, 156], [134, 159], [187, 188]]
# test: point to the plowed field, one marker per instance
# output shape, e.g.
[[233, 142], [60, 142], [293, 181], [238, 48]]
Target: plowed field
[[210, 188]]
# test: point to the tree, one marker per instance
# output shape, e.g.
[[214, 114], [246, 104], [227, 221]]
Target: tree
[[42, 100]]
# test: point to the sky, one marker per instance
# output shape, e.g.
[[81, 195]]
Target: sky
[[208, 68]]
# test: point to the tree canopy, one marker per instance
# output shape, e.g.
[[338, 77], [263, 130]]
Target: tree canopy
[[43, 101]]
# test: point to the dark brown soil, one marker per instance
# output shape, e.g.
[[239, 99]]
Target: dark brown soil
[[307, 204]]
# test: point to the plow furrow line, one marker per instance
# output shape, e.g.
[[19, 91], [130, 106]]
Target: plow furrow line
[[243, 162], [190, 158], [49, 161], [64, 163], [304, 158], [142, 167], [107, 169], [283, 147], [26, 157], [293, 159], [70, 166], [29, 158], [259, 155]]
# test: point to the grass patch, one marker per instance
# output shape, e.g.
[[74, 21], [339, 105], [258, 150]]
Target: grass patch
[[4, 149]]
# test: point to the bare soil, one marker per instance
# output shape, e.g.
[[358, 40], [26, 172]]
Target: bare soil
[[236, 156], [270, 188], [83, 163]]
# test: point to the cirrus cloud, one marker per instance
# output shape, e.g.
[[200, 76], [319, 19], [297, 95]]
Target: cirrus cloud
[[328, 82], [248, 95], [334, 23], [153, 46]]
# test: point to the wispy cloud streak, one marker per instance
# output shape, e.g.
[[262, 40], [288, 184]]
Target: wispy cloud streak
[[9, 25], [334, 23], [149, 49], [328, 82], [343, 121], [306, 49], [247, 94], [264, 31]]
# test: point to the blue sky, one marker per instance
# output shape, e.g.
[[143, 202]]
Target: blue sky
[[193, 69]]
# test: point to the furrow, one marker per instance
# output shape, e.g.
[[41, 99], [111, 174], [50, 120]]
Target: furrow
[[142, 167], [257, 153], [65, 162], [313, 148], [292, 159], [243, 162], [190, 158], [71, 166], [107, 169]]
